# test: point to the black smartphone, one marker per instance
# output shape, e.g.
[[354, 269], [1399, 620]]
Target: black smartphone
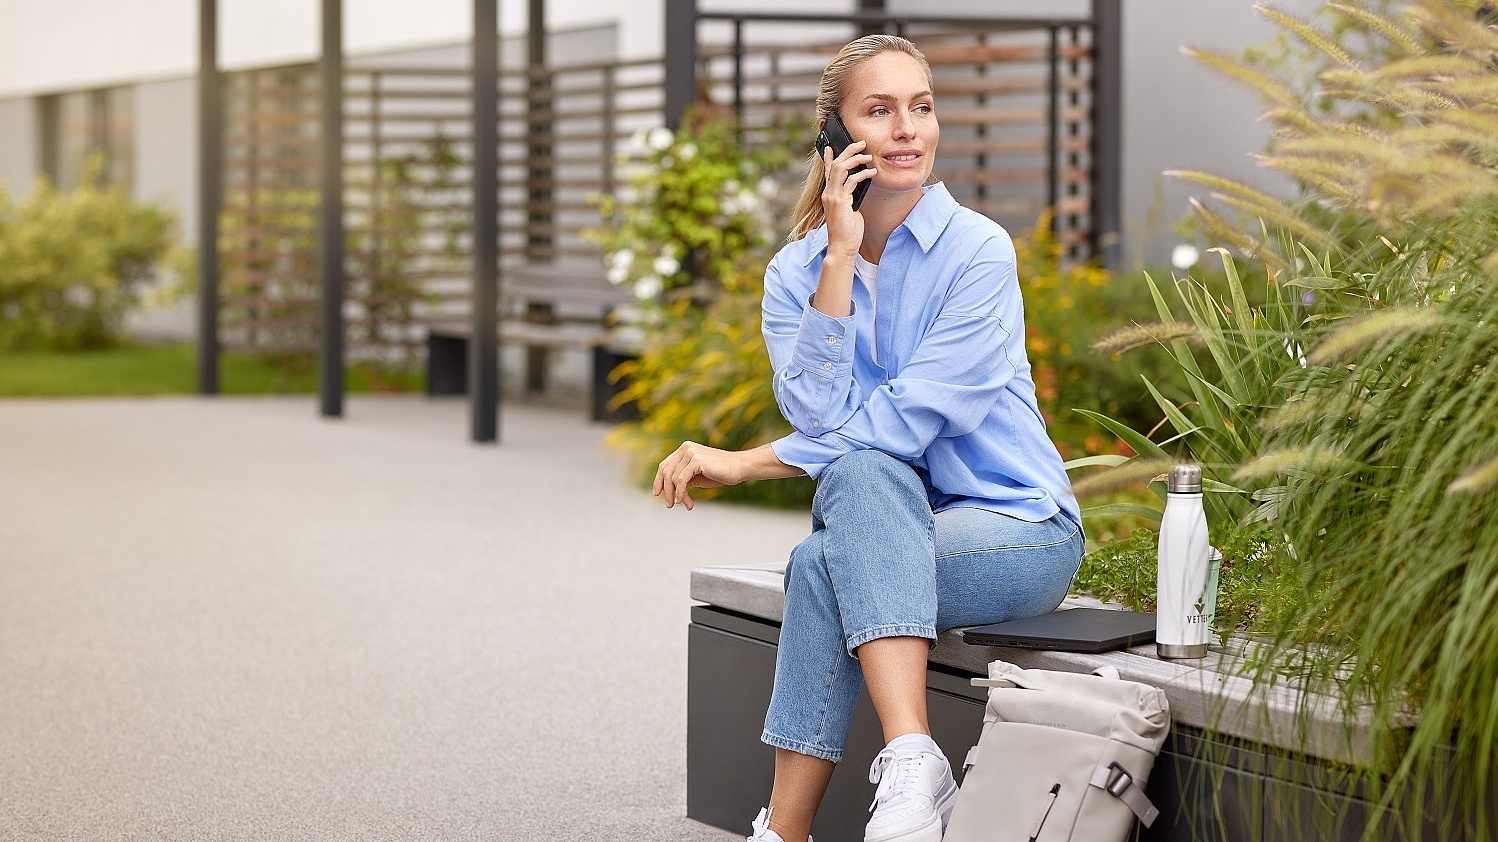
[[835, 135]]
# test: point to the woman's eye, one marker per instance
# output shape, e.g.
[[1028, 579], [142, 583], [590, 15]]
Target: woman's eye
[[924, 108], [879, 112]]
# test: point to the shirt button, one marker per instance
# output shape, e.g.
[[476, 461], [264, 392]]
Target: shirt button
[[827, 366], [816, 424], [832, 340]]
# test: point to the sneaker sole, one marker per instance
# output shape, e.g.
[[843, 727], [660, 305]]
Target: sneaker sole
[[933, 830], [929, 832]]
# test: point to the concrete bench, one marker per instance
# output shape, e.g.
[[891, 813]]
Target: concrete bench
[[1237, 759]]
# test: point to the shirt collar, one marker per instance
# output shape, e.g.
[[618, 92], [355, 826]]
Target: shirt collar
[[925, 222]]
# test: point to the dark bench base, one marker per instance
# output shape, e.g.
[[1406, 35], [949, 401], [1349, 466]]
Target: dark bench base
[[1204, 789], [447, 374]]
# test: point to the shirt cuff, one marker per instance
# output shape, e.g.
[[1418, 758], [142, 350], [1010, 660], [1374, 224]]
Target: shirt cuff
[[809, 454], [822, 343]]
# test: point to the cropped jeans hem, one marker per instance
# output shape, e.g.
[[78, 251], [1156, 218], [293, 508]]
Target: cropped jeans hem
[[833, 754], [891, 630]]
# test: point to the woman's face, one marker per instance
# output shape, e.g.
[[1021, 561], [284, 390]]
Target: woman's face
[[888, 103]]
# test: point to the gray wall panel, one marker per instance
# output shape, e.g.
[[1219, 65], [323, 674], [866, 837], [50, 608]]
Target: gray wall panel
[[166, 169], [166, 152], [18, 152]]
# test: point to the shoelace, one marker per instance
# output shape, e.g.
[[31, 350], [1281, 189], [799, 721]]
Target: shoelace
[[901, 779], [761, 823]]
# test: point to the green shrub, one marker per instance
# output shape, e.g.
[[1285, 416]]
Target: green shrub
[[701, 208], [704, 376], [72, 264], [691, 235], [1067, 307]]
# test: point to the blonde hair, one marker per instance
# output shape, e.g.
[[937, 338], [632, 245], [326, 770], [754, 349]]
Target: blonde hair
[[809, 213]]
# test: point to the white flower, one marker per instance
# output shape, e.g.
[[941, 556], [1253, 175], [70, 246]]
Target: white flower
[[617, 274], [622, 259], [647, 287], [688, 151], [666, 265], [659, 138], [1184, 256], [767, 187]]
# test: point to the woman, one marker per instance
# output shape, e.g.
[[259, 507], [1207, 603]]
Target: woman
[[897, 340]]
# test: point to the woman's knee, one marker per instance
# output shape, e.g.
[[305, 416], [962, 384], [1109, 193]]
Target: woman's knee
[[863, 469]]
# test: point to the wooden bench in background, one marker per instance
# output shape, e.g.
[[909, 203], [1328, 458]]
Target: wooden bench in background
[[543, 307]]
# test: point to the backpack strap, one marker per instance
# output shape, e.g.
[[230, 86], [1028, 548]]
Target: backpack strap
[[1117, 782]]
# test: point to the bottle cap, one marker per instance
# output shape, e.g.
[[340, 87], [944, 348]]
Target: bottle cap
[[1185, 479]]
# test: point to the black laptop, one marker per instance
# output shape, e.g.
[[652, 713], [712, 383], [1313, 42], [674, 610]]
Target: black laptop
[[1068, 630]]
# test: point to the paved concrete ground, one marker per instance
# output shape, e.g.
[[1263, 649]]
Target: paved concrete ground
[[229, 619]]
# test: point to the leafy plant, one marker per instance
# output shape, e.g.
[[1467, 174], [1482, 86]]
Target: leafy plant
[[692, 235], [1235, 360], [72, 264], [1253, 595], [413, 231], [409, 231], [703, 375], [1388, 451], [1066, 305], [699, 202], [1375, 454]]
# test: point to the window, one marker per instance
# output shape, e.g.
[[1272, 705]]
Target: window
[[79, 126]]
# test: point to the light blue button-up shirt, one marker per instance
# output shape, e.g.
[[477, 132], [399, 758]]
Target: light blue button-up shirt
[[951, 392]]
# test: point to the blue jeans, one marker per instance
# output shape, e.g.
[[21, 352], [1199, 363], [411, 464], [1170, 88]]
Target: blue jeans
[[878, 564]]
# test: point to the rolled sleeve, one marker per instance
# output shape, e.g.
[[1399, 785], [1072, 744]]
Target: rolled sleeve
[[812, 354]]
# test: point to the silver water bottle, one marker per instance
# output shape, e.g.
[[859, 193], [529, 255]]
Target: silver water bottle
[[1183, 618]]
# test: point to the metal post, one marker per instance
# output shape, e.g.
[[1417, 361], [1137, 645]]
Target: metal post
[[540, 188], [330, 211], [210, 194], [681, 59], [1053, 128], [483, 346], [738, 73], [1107, 130], [871, 7]]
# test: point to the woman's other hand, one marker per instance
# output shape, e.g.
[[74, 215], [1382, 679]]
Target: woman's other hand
[[696, 465]]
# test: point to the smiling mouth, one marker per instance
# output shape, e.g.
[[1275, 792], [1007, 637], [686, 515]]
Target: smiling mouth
[[903, 158]]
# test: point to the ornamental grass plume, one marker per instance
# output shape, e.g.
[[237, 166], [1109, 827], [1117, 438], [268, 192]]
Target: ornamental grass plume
[[1405, 128], [1357, 409]]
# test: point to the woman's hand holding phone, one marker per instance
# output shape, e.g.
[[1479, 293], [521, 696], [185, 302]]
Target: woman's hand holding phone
[[834, 135], [848, 179]]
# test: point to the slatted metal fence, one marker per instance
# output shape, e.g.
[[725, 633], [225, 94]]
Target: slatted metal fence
[[1014, 101]]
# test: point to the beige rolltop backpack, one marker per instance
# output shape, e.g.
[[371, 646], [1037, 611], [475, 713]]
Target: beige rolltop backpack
[[1063, 756]]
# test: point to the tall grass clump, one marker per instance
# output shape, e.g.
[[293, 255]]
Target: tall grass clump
[[1356, 413]]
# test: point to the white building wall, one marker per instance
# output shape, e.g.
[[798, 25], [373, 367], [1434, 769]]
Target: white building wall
[[1178, 115], [47, 47]]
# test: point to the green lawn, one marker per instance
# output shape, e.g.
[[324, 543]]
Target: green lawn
[[172, 370]]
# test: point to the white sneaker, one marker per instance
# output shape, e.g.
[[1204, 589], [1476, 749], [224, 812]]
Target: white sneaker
[[915, 794], [762, 831]]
